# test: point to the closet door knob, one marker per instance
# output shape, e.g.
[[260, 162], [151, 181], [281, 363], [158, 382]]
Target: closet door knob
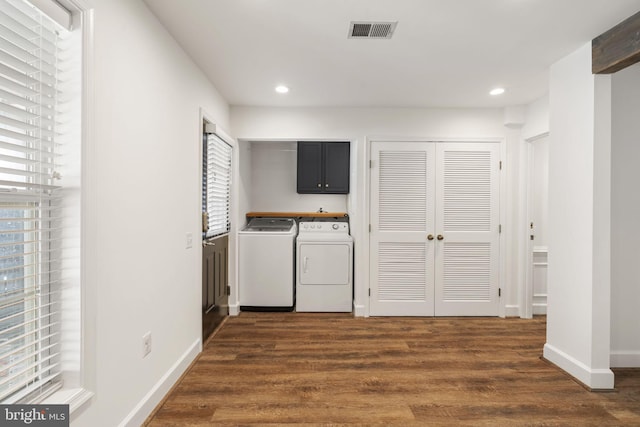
[[430, 237], [440, 237]]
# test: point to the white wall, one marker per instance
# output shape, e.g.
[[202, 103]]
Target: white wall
[[256, 123], [625, 212], [579, 228], [512, 224], [537, 119], [360, 125], [143, 194], [273, 182], [245, 192]]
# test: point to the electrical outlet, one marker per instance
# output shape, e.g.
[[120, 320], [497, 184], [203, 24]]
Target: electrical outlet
[[189, 240], [146, 344]]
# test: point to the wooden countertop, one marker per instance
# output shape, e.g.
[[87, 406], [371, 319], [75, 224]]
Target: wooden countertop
[[297, 214]]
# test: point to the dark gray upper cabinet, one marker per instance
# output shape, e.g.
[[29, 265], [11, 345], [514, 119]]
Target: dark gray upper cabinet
[[323, 167]]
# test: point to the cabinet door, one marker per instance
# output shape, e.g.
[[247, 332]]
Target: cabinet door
[[309, 167], [336, 167]]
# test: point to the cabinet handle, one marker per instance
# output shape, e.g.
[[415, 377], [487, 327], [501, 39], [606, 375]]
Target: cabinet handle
[[319, 185], [326, 185], [440, 237], [430, 237]]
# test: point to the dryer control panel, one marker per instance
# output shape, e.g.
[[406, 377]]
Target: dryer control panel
[[324, 227]]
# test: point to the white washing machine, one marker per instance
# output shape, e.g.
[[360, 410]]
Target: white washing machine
[[324, 279], [266, 264]]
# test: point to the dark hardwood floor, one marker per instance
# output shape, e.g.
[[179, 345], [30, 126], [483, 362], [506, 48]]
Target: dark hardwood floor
[[295, 368]]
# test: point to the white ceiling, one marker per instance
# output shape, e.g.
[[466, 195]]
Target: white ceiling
[[444, 53]]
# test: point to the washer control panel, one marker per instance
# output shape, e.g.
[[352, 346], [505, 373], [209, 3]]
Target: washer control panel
[[324, 227]]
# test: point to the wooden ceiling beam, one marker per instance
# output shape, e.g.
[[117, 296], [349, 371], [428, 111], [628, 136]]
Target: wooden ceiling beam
[[617, 48]]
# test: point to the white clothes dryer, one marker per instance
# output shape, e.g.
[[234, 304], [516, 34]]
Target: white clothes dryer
[[324, 279]]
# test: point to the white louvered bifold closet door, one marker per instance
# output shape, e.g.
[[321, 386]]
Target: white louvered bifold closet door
[[434, 229], [467, 217], [402, 215]]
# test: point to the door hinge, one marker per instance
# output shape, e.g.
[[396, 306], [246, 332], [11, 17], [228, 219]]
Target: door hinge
[[370, 164], [228, 290], [500, 164], [499, 292], [369, 291], [499, 228], [369, 228]]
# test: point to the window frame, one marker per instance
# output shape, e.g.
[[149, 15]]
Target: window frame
[[82, 389]]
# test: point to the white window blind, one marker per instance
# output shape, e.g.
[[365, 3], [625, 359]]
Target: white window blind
[[30, 201], [216, 186]]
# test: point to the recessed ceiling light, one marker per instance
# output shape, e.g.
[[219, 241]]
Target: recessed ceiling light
[[282, 89], [497, 91]]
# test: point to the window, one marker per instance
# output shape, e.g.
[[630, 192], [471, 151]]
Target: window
[[37, 107], [216, 185]]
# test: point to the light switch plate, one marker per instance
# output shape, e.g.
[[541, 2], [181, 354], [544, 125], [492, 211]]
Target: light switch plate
[[146, 344]]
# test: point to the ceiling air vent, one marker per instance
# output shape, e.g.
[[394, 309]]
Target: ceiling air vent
[[372, 30]]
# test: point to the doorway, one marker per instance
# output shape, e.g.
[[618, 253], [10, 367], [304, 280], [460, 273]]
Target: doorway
[[216, 200], [537, 213], [434, 241]]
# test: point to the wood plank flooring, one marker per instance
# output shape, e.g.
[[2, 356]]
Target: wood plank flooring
[[332, 369]]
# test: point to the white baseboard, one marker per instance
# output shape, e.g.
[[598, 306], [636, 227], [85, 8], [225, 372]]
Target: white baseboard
[[234, 309], [625, 359], [158, 392], [539, 308], [596, 379], [359, 310], [512, 311]]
